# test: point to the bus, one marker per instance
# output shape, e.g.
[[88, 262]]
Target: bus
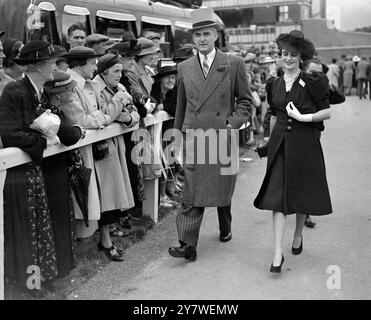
[[49, 20]]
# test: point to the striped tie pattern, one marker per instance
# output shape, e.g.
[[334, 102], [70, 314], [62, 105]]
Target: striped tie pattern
[[205, 66]]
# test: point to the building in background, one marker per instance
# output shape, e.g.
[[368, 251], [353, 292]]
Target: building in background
[[261, 21]]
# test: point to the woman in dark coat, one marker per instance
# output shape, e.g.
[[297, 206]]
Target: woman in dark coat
[[56, 176], [28, 232], [295, 180], [164, 91]]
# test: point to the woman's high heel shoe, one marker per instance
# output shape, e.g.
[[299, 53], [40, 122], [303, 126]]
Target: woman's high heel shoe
[[277, 269], [296, 251]]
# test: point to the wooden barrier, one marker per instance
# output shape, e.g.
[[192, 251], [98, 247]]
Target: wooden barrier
[[12, 157]]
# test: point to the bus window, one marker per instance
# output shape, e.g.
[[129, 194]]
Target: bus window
[[183, 34], [74, 15], [41, 25], [163, 27], [113, 24]]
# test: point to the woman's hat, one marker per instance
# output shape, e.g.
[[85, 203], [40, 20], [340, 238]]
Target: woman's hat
[[11, 49], [62, 52], [127, 36], [128, 48], [184, 53], [107, 61], [35, 51], [295, 42], [62, 82], [203, 18], [79, 53], [165, 71], [147, 47]]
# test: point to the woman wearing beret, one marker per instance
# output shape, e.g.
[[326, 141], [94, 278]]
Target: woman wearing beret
[[112, 173], [295, 180]]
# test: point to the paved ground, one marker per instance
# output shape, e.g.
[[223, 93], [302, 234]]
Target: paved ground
[[240, 269]]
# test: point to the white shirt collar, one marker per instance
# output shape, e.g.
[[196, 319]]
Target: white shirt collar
[[210, 56], [38, 90]]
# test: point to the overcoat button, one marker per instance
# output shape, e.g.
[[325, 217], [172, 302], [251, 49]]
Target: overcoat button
[[289, 128], [289, 121]]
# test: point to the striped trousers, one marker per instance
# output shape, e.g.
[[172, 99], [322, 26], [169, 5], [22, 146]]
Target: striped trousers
[[189, 219]]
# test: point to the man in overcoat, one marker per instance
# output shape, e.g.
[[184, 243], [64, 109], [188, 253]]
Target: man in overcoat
[[213, 96]]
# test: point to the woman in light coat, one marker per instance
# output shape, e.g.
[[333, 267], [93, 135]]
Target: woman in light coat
[[108, 79], [105, 183]]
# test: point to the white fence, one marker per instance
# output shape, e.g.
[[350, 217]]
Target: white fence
[[12, 157]]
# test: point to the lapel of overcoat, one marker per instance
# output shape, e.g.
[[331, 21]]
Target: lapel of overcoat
[[205, 87], [214, 77]]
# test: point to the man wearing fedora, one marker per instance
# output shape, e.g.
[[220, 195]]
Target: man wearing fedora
[[213, 93], [28, 229]]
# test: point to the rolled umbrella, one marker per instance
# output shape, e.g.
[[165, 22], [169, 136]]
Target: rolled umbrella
[[80, 180]]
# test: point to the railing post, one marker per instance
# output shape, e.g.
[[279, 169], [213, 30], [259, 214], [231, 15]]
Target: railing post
[[2, 181], [150, 204]]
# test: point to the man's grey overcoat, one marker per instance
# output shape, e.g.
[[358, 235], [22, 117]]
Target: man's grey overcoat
[[211, 103]]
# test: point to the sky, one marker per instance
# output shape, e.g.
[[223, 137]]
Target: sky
[[354, 13]]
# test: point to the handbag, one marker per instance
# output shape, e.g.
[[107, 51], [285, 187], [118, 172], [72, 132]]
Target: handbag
[[100, 150], [336, 96]]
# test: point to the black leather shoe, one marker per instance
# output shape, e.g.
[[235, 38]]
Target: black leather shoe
[[296, 251], [277, 269], [225, 237], [187, 252]]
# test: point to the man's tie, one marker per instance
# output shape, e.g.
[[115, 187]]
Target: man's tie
[[205, 66]]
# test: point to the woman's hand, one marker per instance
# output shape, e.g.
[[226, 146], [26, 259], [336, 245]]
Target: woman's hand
[[124, 97], [160, 106], [294, 113], [149, 106]]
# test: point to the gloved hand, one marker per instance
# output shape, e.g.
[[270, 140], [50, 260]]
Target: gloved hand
[[124, 97], [149, 106], [124, 117], [135, 117], [52, 140], [294, 113]]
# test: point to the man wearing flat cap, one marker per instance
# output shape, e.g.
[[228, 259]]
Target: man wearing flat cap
[[213, 93], [98, 42]]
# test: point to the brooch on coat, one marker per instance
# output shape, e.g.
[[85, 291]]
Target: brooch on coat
[[222, 68]]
